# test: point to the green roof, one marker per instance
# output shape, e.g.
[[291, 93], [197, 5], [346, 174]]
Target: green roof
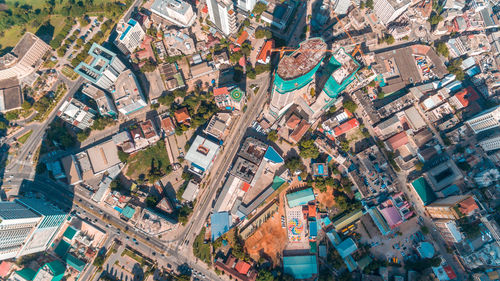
[[236, 94], [277, 182], [128, 212], [57, 269], [70, 232], [301, 197], [364, 262], [62, 248], [75, 262], [347, 219], [300, 267], [423, 190], [26, 273], [313, 247]]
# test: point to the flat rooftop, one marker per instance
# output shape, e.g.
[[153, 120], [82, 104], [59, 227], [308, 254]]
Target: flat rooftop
[[103, 156], [162, 6], [202, 152], [127, 92], [303, 60]]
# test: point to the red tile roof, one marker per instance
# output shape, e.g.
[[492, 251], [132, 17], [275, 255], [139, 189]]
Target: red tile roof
[[167, 125], [265, 52], [242, 267], [449, 271], [243, 37], [466, 96], [312, 210], [245, 187], [300, 130], [293, 121], [221, 91], [182, 115], [397, 141], [468, 205], [345, 127]]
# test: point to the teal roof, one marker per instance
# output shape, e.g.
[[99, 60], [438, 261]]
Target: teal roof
[[301, 197], [26, 273], [313, 247], [350, 263], [57, 269], [277, 182], [346, 247], [273, 156], [283, 86], [332, 88], [62, 248], [423, 190], [75, 262], [128, 212], [70, 232], [364, 262], [379, 221], [300, 267]]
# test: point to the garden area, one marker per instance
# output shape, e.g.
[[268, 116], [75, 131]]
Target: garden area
[[150, 164]]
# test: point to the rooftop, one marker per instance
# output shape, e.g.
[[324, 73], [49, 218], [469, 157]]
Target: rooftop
[[14, 210], [301, 197], [300, 267], [302, 60], [423, 190], [127, 93], [103, 156], [253, 150], [202, 152]]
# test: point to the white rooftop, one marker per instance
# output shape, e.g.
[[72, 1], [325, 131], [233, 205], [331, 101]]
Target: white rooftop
[[202, 152]]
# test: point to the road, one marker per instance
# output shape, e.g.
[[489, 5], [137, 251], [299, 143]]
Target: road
[[203, 208]]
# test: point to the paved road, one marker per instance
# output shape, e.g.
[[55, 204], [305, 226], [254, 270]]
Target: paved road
[[203, 208]]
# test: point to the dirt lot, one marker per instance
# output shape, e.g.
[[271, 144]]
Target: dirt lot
[[325, 199], [270, 239]]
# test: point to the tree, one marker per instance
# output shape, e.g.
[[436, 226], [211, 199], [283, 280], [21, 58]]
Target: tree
[[259, 8], [442, 49], [455, 67], [272, 136], [435, 18], [265, 275], [425, 230], [98, 261], [308, 149], [122, 155], [151, 201], [26, 105], [263, 33], [350, 105], [101, 123], [389, 39], [12, 115], [166, 100], [3, 125], [149, 66], [294, 164], [116, 184], [369, 4], [419, 165], [83, 135]]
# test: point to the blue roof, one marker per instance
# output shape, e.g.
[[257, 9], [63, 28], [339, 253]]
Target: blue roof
[[301, 197], [426, 250], [273, 156], [300, 267], [220, 224], [313, 228], [379, 221]]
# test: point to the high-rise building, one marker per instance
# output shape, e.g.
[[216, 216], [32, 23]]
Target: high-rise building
[[27, 226], [130, 36], [77, 113], [341, 6], [222, 14], [449, 230], [491, 143], [485, 120], [246, 5], [176, 11], [104, 69], [452, 207], [104, 102], [389, 10]]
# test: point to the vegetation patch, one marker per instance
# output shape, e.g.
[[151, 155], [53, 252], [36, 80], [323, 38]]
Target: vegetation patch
[[25, 137], [150, 164], [202, 250]]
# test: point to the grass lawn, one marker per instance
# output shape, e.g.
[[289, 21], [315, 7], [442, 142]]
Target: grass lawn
[[68, 72], [142, 161], [133, 255], [201, 250], [25, 137]]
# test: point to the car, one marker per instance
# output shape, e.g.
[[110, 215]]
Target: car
[[137, 243], [91, 207], [133, 239], [108, 225], [153, 253], [127, 238]]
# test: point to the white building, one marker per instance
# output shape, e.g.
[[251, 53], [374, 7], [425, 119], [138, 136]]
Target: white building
[[449, 231], [491, 143], [176, 11], [27, 226], [341, 7], [222, 14], [130, 36], [77, 113], [127, 93], [389, 10], [485, 120], [104, 69], [201, 155], [246, 5]]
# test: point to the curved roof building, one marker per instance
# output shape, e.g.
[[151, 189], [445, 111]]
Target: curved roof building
[[294, 72]]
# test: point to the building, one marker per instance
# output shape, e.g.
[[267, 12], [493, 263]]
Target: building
[[191, 191], [264, 56], [177, 12], [127, 93], [182, 116], [11, 97], [222, 15], [300, 267], [280, 15], [485, 120], [389, 10], [449, 230], [341, 7], [149, 131], [491, 143], [443, 175], [105, 103], [130, 36], [229, 98], [246, 5], [201, 155], [172, 76], [452, 207], [218, 125], [236, 269], [52, 271], [24, 58], [77, 113], [103, 156], [103, 70], [27, 226], [299, 198], [424, 191], [167, 126]]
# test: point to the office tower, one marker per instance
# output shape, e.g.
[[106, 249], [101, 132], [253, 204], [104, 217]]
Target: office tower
[[130, 36], [222, 14], [246, 5], [389, 10], [485, 120], [27, 226], [104, 69], [176, 11]]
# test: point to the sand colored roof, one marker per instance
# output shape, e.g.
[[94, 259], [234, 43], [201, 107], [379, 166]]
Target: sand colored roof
[[103, 156]]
